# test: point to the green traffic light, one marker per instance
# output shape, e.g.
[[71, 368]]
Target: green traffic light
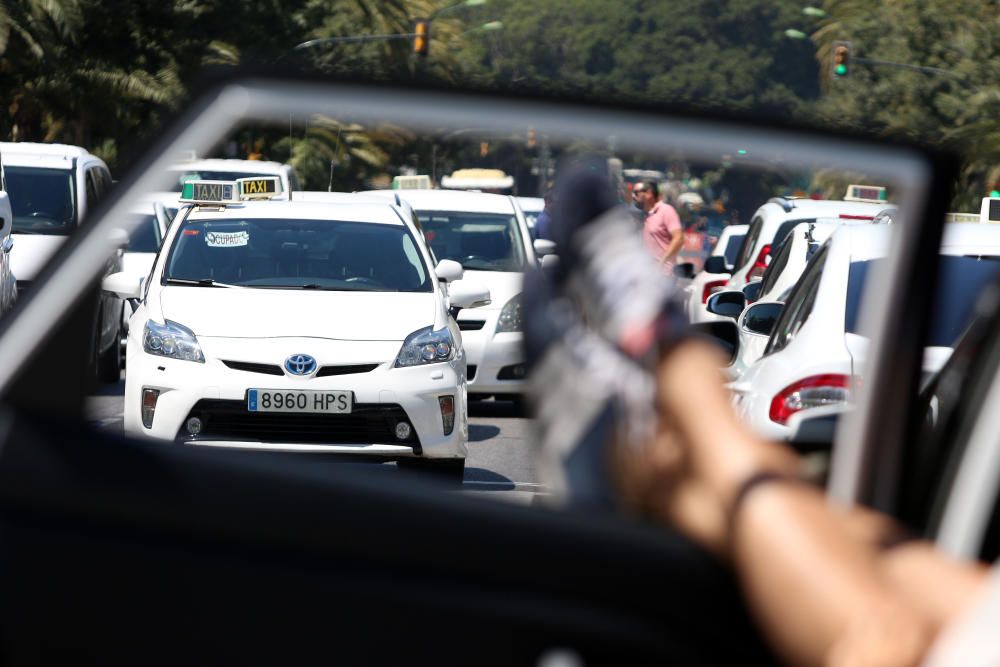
[[840, 70], [742, 151]]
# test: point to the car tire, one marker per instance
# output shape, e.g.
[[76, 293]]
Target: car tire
[[450, 470]]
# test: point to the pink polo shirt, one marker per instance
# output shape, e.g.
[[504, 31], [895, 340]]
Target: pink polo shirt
[[662, 222]]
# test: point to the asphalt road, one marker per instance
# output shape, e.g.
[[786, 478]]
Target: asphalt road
[[500, 463]]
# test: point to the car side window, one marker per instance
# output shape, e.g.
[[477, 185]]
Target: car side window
[[799, 306], [777, 266], [91, 185], [749, 241]]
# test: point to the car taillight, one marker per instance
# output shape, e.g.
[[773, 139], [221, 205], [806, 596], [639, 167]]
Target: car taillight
[[759, 264], [711, 288], [812, 392], [847, 216]]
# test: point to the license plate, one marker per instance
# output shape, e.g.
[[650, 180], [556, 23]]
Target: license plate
[[299, 400]]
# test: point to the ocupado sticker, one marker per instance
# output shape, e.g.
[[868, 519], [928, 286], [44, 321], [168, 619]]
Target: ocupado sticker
[[227, 239]]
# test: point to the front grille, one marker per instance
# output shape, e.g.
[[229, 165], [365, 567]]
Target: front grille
[[368, 423], [471, 325], [327, 371], [515, 372], [267, 369], [470, 372]]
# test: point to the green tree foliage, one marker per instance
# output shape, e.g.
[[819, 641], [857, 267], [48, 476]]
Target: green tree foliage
[[957, 107]]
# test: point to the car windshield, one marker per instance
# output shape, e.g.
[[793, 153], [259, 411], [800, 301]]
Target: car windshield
[[145, 235], [43, 201], [962, 278], [478, 241], [209, 175], [298, 254]]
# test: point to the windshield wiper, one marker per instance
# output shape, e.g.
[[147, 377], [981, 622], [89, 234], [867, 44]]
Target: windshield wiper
[[202, 282]]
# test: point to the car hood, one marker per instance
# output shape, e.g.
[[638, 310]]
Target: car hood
[[270, 313], [502, 285], [31, 252]]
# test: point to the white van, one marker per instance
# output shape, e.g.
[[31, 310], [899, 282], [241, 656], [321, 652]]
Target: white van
[[52, 187]]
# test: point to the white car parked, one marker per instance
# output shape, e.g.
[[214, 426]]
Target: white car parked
[[772, 222], [780, 277], [488, 236], [713, 277], [297, 326], [51, 188], [815, 354]]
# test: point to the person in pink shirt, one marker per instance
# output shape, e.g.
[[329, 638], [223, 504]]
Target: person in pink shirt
[[662, 231]]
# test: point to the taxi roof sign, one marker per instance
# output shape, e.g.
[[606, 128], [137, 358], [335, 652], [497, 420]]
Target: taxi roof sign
[[259, 187], [989, 211], [873, 194], [209, 192]]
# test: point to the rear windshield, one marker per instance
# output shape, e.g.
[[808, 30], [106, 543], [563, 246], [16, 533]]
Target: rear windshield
[[962, 278], [478, 241], [43, 201], [145, 236], [298, 254]]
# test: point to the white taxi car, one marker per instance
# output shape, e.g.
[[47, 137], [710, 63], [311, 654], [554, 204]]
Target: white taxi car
[[52, 187], [296, 326], [772, 222], [488, 236], [815, 354]]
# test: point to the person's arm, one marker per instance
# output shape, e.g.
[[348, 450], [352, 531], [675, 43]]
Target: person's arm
[[822, 595], [676, 243]]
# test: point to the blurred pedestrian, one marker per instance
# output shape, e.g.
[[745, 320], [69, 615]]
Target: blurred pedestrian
[[661, 230], [545, 217]]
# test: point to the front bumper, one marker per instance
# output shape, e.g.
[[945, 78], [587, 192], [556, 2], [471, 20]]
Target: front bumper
[[217, 395], [496, 361]]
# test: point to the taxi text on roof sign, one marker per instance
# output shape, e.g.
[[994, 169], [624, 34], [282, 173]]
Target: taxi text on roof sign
[[263, 187], [230, 192], [875, 194], [209, 192]]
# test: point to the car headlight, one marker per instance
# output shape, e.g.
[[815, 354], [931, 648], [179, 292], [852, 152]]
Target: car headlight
[[171, 340], [510, 316], [425, 346]]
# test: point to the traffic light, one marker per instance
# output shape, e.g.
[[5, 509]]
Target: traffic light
[[421, 37], [841, 63]]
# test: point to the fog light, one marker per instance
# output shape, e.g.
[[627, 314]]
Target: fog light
[[403, 431], [193, 426], [149, 397], [447, 404]]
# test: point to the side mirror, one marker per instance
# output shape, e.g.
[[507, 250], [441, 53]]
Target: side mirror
[[544, 247], [685, 270], [125, 285], [8, 244], [162, 218], [463, 294], [449, 270], [550, 262], [716, 264], [722, 332], [727, 304], [752, 290], [759, 319]]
